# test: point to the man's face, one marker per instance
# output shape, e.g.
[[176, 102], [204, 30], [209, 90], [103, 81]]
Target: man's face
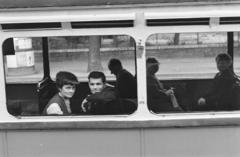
[[67, 91], [223, 65], [96, 85]]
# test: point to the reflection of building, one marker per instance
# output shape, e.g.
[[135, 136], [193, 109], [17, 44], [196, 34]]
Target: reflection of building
[[22, 61]]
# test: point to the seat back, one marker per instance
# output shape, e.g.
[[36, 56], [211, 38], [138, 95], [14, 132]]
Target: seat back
[[46, 90]]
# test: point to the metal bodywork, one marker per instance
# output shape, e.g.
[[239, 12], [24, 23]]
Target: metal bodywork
[[141, 134], [102, 3]]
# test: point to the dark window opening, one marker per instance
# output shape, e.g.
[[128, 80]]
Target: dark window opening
[[35, 63]]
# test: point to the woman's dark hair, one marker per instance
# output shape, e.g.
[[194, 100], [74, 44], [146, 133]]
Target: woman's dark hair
[[96, 75], [152, 60], [152, 65], [65, 78]]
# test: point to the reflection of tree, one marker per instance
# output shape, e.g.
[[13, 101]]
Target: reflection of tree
[[115, 41], [131, 42], [94, 59], [176, 39]]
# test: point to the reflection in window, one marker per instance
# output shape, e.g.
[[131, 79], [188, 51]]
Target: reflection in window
[[183, 66], [73, 52], [178, 52], [23, 69], [27, 69], [22, 60], [236, 62]]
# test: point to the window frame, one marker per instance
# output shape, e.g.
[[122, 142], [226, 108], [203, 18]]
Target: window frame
[[142, 118]]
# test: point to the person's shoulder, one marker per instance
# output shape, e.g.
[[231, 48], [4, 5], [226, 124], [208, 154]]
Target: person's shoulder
[[217, 75], [123, 72], [228, 74], [126, 74], [54, 99], [151, 78], [53, 105], [54, 108], [109, 87]]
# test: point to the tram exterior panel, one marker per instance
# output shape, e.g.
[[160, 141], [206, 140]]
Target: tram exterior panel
[[187, 142]]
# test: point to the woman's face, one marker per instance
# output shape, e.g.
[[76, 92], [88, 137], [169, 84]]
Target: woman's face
[[67, 91]]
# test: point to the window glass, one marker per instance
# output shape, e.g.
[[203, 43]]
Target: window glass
[[182, 75], [178, 52], [23, 69], [53, 73], [73, 53], [236, 60], [23, 60]]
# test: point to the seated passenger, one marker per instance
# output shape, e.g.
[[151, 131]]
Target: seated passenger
[[102, 97], [125, 82], [159, 98], [221, 96], [60, 103]]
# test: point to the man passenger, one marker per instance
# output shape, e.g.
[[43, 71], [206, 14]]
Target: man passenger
[[222, 96], [125, 82], [102, 97]]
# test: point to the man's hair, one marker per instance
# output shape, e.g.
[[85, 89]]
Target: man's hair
[[114, 63], [223, 57], [152, 60], [65, 78], [96, 75]]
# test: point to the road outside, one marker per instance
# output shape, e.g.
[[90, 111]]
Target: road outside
[[181, 56], [178, 68]]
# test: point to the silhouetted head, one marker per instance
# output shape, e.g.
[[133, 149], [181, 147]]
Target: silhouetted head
[[114, 65], [223, 61], [152, 65]]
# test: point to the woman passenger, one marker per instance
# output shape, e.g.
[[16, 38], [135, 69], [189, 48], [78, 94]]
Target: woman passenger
[[60, 103], [159, 98]]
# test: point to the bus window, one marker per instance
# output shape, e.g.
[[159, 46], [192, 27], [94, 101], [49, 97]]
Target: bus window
[[23, 69], [180, 73], [73, 52], [236, 60], [79, 55]]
